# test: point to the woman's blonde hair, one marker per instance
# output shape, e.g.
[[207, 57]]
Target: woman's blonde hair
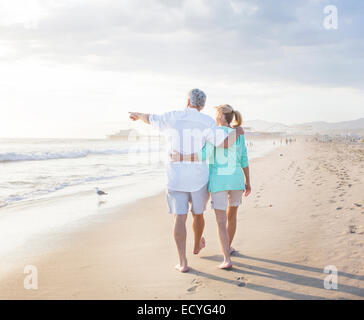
[[229, 114]]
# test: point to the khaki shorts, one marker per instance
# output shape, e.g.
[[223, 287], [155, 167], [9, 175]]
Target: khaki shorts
[[178, 201], [222, 199]]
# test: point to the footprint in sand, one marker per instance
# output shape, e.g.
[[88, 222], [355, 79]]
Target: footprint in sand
[[357, 205], [339, 208], [352, 229], [196, 284], [341, 195], [192, 289], [241, 282]]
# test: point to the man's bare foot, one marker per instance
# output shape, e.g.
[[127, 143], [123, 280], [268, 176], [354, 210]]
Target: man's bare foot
[[226, 265], [202, 245], [182, 268]]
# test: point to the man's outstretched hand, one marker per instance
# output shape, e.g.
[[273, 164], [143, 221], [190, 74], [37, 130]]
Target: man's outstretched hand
[[134, 116], [139, 116]]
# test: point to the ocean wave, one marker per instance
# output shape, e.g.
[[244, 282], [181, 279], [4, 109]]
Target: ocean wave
[[51, 189], [39, 156]]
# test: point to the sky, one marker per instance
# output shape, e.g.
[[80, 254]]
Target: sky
[[74, 68]]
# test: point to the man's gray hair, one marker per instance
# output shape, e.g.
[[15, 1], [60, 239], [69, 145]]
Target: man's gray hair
[[197, 98]]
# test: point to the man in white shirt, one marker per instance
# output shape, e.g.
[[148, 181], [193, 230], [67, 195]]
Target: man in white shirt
[[187, 131]]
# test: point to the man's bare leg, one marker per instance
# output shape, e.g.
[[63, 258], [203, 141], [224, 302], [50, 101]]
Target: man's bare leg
[[198, 226], [224, 238], [231, 224], [180, 235]]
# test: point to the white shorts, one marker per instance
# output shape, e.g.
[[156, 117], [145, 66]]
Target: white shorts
[[178, 201], [222, 199]]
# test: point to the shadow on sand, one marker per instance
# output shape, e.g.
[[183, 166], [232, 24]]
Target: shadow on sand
[[285, 276]]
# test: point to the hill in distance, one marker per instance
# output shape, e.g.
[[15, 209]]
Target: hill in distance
[[354, 127]]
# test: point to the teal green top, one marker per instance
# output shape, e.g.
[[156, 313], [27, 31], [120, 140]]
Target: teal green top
[[225, 164]]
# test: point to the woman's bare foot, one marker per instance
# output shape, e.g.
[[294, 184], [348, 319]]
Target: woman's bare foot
[[232, 250], [202, 245], [226, 265], [182, 268]]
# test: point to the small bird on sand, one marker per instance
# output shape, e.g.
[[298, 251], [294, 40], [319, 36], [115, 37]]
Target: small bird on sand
[[100, 192]]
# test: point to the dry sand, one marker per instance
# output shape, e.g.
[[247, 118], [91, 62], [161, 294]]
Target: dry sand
[[306, 212]]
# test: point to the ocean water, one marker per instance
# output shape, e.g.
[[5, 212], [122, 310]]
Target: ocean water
[[35, 169], [32, 169]]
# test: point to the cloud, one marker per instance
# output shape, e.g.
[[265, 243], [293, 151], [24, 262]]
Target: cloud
[[245, 41]]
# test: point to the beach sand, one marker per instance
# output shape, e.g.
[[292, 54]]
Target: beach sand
[[306, 212]]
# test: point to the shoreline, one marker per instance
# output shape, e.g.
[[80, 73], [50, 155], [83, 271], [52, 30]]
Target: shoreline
[[63, 216], [49, 212], [283, 246], [124, 162], [58, 236]]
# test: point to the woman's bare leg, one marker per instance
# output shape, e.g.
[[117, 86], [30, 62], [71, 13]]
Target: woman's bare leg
[[224, 238], [231, 223]]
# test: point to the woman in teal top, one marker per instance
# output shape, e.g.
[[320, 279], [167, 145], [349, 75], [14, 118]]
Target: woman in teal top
[[227, 168]]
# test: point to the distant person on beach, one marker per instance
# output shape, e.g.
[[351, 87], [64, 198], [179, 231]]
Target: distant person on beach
[[227, 183], [188, 131]]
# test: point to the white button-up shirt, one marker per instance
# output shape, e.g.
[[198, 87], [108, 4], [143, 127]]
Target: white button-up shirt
[[187, 131]]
